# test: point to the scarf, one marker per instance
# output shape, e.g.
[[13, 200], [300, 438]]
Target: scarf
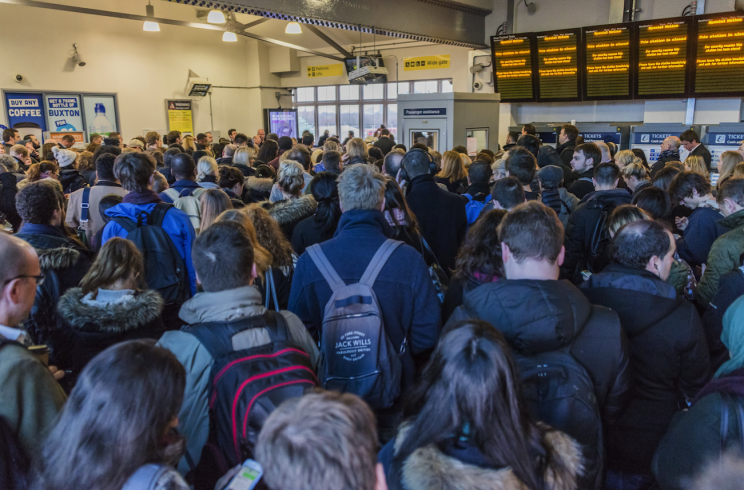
[[731, 383], [671, 155], [146, 197], [733, 338]]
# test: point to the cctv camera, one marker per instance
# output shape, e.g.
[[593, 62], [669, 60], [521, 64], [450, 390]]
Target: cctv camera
[[19, 78], [477, 85], [78, 60], [476, 68]]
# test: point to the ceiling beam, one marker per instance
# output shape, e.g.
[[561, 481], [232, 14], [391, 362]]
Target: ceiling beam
[[142, 18], [328, 40]]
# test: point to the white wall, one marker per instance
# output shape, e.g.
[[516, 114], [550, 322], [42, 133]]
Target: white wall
[[143, 68]]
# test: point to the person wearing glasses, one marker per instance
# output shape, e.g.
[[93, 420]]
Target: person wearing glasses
[[64, 260], [31, 397]]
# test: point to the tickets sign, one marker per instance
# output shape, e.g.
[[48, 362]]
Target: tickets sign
[[335, 70], [426, 62]]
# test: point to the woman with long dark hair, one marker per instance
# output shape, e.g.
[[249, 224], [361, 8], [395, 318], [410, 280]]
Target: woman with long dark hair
[[268, 152], [466, 425], [478, 261], [120, 417], [400, 217], [322, 225]]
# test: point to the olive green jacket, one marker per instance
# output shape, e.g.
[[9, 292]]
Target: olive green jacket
[[724, 257]]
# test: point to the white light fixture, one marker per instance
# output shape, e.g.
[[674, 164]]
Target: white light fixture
[[216, 17], [229, 37], [150, 26], [293, 28]]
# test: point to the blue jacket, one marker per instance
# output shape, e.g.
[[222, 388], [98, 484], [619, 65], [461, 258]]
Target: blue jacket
[[702, 230], [176, 224], [180, 186], [409, 304]]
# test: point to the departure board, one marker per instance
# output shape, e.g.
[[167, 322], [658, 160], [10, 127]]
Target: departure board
[[558, 65], [512, 67], [662, 59], [719, 65], [607, 62]]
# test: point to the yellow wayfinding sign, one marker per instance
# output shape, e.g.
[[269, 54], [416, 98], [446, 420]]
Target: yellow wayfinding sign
[[426, 62], [335, 70]]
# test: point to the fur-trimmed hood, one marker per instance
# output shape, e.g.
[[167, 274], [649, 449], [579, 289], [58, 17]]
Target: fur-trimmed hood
[[259, 185], [430, 469], [58, 258], [144, 308], [293, 210]]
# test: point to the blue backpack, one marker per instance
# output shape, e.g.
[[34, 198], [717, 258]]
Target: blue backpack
[[475, 205]]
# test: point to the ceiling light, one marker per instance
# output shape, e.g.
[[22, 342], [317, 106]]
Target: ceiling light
[[229, 37], [216, 17], [151, 26], [293, 28]]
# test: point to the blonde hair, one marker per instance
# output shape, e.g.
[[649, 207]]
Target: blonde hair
[[625, 157], [189, 144], [729, 160], [452, 167], [356, 148], [635, 169], [213, 203], [739, 171], [270, 236], [622, 215], [290, 177], [244, 156], [118, 259], [331, 146], [697, 165], [261, 257], [206, 166]]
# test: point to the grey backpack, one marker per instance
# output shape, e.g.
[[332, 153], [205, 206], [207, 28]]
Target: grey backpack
[[356, 355]]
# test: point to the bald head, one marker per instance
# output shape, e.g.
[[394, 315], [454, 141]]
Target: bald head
[[671, 143], [392, 162], [20, 264], [17, 256], [605, 150]]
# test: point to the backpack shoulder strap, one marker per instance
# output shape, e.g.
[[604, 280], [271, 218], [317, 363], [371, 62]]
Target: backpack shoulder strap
[[378, 262], [145, 477], [172, 193], [85, 205], [125, 223], [489, 198], [157, 215], [276, 325], [325, 267]]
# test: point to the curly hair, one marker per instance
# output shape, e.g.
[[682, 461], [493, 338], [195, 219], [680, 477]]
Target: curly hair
[[481, 251], [85, 161], [270, 236], [37, 202]]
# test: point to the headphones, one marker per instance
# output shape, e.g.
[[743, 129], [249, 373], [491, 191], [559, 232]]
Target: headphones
[[432, 163]]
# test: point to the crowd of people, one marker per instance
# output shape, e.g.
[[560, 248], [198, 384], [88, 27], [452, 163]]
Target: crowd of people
[[364, 315]]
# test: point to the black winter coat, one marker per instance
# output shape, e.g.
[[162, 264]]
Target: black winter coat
[[441, 216], [670, 359], [566, 151], [564, 318], [580, 230], [730, 288], [71, 180], [245, 169], [458, 186], [583, 184], [88, 330], [306, 234], [9, 185]]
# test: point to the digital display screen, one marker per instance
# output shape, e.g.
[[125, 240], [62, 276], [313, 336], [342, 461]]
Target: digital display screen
[[558, 65], [662, 59], [607, 62], [512, 68], [719, 66], [283, 122]]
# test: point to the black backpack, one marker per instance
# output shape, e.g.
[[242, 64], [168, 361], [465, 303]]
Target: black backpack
[[559, 392], [14, 462], [165, 269], [247, 385], [600, 239]]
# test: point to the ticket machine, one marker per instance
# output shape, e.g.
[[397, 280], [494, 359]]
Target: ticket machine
[[722, 137], [649, 137]]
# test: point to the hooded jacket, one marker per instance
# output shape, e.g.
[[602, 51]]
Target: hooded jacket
[[91, 325], [566, 151], [288, 213], [9, 185], [670, 359], [258, 189], [71, 180], [561, 201], [222, 306], [565, 319], [432, 468], [731, 287], [703, 228], [176, 224], [64, 262], [244, 169], [580, 230], [724, 257]]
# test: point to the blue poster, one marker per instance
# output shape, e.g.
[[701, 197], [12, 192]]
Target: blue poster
[[64, 113], [25, 108]]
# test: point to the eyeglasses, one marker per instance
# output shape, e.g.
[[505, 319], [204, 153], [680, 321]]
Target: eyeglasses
[[39, 279]]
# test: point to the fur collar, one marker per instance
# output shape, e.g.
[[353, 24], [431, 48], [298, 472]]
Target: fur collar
[[259, 185], [145, 308], [293, 210], [429, 469], [58, 258]]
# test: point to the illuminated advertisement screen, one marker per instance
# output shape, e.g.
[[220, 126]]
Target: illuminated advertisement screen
[[662, 59], [558, 65], [283, 122], [607, 62], [512, 67], [719, 65]]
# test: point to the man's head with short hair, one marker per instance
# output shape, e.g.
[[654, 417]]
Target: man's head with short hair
[[202, 139], [105, 167], [479, 172], [606, 176], [223, 243], [689, 189], [169, 154], [530, 142], [569, 132], [242, 140], [392, 160], [385, 133], [308, 140], [507, 193], [323, 440], [731, 196], [529, 129], [174, 137], [229, 151], [512, 137], [585, 157], [400, 147], [68, 140], [689, 139], [10, 136], [531, 238], [38, 203], [604, 150], [183, 167], [361, 187], [19, 151], [460, 149], [231, 133], [332, 161], [521, 164], [134, 171], [416, 162], [152, 138], [644, 245], [285, 144], [18, 287]]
